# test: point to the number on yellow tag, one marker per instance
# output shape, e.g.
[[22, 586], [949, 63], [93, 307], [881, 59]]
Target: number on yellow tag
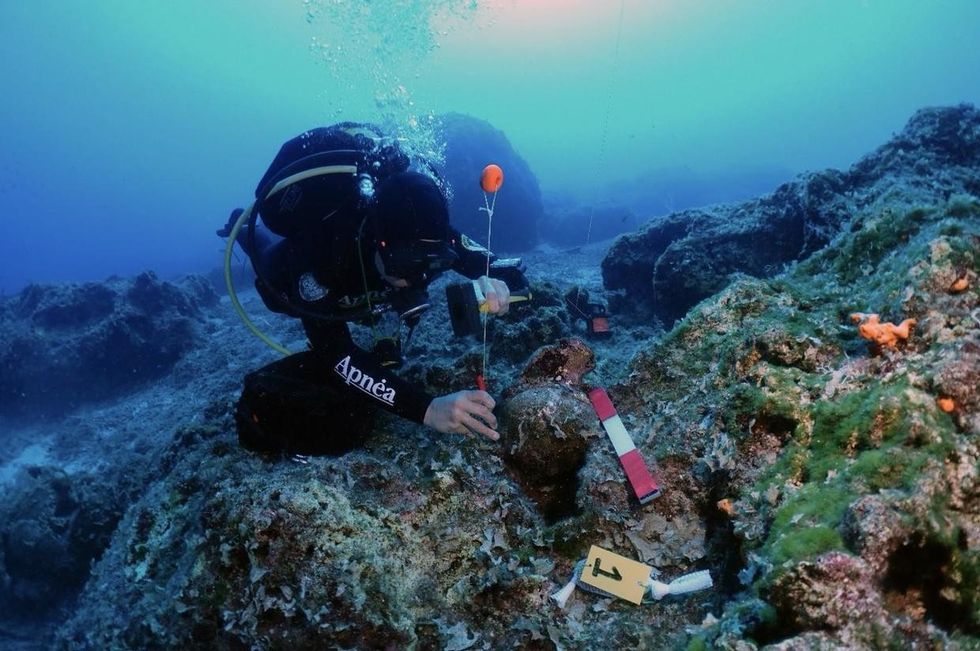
[[617, 575]]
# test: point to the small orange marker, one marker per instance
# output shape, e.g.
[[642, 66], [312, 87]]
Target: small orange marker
[[492, 178], [946, 404]]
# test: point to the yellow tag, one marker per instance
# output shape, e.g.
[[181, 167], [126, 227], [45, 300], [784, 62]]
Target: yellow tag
[[618, 575]]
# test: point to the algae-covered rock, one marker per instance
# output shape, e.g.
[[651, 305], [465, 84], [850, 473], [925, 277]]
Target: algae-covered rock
[[825, 594], [678, 260], [874, 529], [818, 450], [228, 551], [548, 422], [53, 526], [220, 554], [529, 326]]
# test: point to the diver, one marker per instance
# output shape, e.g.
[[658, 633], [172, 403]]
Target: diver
[[349, 232]]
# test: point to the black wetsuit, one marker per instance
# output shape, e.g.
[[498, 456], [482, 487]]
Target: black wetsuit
[[321, 280], [321, 401]]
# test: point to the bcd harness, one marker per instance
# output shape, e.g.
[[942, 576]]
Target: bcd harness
[[352, 164]]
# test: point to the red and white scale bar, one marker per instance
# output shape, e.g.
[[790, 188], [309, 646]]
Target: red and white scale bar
[[644, 484]]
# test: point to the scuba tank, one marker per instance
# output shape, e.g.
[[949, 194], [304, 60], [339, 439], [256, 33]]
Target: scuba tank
[[322, 173], [331, 168]]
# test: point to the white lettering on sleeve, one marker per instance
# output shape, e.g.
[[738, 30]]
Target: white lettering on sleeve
[[354, 376]]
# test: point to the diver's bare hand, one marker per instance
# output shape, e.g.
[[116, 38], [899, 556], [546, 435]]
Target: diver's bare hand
[[497, 294], [463, 412]]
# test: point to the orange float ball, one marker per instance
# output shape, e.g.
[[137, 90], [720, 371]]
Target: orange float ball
[[492, 178]]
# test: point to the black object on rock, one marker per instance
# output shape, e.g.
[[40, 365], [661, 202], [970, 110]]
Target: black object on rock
[[594, 314], [286, 407]]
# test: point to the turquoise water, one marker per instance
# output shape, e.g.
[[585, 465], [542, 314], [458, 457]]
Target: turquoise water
[[128, 130]]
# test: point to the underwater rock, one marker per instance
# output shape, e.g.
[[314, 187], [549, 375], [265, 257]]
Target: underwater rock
[[284, 565], [56, 523], [833, 592], [52, 526], [676, 261], [940, 138], [547, 424], [958, 379], [529, 326], [806, 353], [810, 641], [471, 144], [810, 446], [874, 529], [545, 437], [230, 551], [932, 575], [68, 344]]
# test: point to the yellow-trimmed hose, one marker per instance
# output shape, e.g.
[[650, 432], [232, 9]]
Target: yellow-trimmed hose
[[244, 218], [231, 286]]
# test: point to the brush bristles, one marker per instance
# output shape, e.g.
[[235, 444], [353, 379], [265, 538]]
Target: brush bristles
[[561, 597]]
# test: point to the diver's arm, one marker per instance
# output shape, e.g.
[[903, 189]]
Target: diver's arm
[[355, 372], [472, 261]]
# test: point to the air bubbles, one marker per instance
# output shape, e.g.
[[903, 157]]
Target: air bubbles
[[370, 52]]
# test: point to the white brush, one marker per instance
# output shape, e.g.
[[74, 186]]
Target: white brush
[[561, 597], [681, 585]]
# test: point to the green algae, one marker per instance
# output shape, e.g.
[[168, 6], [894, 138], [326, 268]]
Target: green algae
[[805, 543], [805, 525], [879, 236], [771, 410], [697, 643], [862, 442], [963, 206], [882, 434]]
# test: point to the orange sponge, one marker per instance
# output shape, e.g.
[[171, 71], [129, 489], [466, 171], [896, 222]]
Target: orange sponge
[[885, 335]]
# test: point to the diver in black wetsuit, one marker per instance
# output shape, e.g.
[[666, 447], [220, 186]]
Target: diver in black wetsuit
[[346, 245]]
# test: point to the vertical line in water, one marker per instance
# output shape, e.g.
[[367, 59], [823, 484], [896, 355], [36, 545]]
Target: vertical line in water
[[605, 118]]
